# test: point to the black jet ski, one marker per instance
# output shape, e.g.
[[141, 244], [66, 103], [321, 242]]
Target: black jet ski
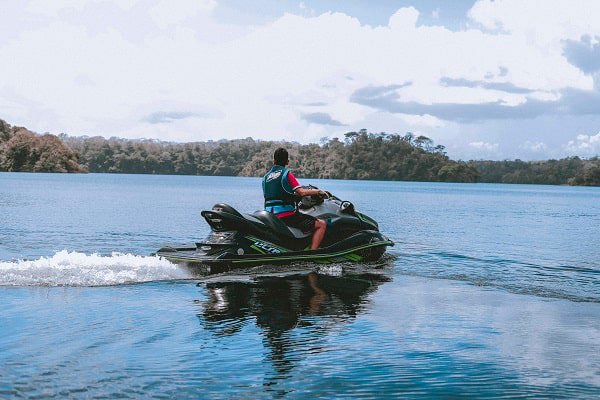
[[239, 240]]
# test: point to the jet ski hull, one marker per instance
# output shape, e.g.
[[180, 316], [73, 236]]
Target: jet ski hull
[[247, 250], [239, 240]]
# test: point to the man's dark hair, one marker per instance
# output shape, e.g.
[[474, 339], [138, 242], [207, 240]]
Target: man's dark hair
[[280, 156]]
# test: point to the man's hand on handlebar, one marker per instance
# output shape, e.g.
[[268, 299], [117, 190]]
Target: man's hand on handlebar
[[311, 192]]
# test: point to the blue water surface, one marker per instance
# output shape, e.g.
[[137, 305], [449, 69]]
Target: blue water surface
[[492, 291]]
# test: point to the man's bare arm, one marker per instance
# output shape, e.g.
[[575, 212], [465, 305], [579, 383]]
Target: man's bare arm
[[309, 192]]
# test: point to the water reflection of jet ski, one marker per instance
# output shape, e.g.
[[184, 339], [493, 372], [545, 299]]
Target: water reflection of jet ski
[[259, 238], [280, 304]]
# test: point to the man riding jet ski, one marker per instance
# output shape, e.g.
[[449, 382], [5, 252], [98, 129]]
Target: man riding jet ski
[[283, 231], [280, 189]]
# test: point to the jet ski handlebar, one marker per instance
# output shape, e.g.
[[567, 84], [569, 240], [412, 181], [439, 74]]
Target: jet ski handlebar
[[312, 200]]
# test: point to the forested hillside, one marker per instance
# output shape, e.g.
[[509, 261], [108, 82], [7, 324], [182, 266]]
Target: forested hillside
[[567, 171], [22, 150], [361, 155]]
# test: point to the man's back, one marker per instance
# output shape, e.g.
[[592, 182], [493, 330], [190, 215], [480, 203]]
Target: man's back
[[279, 189]]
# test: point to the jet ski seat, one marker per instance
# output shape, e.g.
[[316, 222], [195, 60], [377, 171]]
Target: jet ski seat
[[279, 227]]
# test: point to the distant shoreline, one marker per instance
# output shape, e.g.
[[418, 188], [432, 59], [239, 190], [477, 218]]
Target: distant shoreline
[[360, 156], [303, 178]]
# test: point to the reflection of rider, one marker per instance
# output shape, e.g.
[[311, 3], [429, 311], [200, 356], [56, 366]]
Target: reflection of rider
[[319, 294], [279, 186]]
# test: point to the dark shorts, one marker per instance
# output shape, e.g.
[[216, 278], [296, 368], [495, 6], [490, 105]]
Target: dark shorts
[[305, 223]]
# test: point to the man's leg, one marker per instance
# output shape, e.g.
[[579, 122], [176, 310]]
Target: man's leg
[[320, 227]]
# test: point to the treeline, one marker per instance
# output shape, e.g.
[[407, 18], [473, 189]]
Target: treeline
[[567, 171], [361, 155], [22, 150]]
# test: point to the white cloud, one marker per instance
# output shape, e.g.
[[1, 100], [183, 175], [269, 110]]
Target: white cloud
[[475, 150], [168, 13], [484, 145], [537, 21], [586, 145], [53, 8], [534, 146], [425, 121], [103, 67], [404, 19]]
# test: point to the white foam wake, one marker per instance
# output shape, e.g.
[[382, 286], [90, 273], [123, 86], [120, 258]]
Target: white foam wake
[[78, 269]]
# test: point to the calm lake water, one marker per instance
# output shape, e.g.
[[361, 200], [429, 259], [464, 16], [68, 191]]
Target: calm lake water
[[492, 291]]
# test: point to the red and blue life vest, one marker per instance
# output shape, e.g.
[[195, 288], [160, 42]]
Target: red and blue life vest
[[279, 196]]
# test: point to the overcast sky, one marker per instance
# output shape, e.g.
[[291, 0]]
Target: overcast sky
[[487, 79]]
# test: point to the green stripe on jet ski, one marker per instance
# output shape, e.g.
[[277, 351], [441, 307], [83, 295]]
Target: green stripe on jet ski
[[311, 256], [353, 257]]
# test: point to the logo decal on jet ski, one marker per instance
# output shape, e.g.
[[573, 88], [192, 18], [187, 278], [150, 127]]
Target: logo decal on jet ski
[[265, 247], [273, 175]]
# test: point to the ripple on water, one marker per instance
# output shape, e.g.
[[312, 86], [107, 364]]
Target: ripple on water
[[575, 283]]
